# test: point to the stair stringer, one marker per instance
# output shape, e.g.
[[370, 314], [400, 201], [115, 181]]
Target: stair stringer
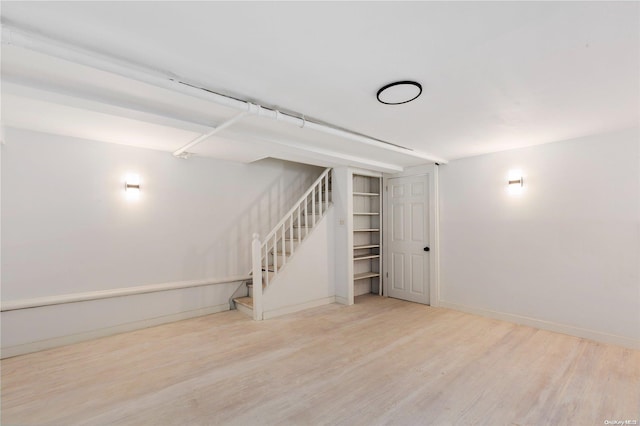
[[308, 280]]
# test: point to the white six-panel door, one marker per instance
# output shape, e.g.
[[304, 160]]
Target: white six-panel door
[[407, 223]]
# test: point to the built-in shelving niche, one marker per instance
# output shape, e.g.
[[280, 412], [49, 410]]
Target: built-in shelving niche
[[367, 232]]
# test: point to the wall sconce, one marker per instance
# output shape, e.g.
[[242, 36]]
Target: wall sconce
[[516, 182], [132, 186]]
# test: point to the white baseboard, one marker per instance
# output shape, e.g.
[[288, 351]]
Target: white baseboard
[[598, 336], [300, 307], [342, 300], [109, 331]]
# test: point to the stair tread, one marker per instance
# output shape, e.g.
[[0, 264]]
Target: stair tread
[[245, 301], [280, 252]]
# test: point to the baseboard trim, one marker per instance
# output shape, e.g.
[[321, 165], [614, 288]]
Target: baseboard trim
[[342, 300], [37, 302], [597, 336], [109, 331], [300, 307]]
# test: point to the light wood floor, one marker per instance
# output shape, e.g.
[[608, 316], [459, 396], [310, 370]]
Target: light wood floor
[[381, 361]]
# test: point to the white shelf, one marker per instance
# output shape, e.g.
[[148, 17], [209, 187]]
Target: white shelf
[[366, 246], [367, 227], [369, 256], [366, 275]]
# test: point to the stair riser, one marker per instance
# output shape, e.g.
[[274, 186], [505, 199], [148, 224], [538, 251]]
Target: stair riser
[[293, 233], [264, 284], [308, 221], [310, 209], [280, 259], [287, 245], [264, 278], [324, 200], [245, 310]]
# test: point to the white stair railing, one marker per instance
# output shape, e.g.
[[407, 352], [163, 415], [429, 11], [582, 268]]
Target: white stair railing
[[271, 255]]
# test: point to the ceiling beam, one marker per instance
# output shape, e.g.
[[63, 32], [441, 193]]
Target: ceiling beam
[[292, 151], [21, 38], [27, 89]]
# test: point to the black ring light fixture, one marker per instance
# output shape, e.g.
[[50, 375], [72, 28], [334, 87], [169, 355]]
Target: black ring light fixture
[[399, 92]]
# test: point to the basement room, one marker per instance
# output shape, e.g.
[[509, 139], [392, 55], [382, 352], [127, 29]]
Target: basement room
[[320, 213]]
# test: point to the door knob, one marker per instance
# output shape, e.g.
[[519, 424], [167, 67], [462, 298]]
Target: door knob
[[426, 249]]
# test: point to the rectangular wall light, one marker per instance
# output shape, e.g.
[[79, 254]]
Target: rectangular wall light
[[515, 182], [132, 186]]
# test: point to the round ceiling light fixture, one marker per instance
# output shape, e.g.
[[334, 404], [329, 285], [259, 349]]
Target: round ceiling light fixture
[[399, 92]]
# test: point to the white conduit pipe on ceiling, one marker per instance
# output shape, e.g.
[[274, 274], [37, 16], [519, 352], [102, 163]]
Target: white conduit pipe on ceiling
[[20, 38], [182, 151]]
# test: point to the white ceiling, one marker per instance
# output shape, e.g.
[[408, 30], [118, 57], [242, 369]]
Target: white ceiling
[[495, 75]]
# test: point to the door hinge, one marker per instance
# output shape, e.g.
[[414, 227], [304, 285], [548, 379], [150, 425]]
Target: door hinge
[[386, 188], [387, 275]]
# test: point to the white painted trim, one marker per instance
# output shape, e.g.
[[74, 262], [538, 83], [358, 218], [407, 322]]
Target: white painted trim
[[37, 302], [414, 171], [256, 266], [109, 331], [546, 325], [350, 267], [381, 237], [342, 300], [434, 267], [365, 172], [300, 307]]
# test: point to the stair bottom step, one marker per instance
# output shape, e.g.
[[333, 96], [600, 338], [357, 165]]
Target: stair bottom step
[[244, 305], [244, 301]]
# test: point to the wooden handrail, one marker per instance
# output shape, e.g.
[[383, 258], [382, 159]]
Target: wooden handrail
[[296, 205], [37, 302]]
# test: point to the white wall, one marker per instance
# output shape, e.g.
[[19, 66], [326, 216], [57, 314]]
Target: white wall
[[565, 254], [68, 228]]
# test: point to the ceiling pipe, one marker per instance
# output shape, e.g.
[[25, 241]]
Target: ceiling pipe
[[182, 152], [21, 38]]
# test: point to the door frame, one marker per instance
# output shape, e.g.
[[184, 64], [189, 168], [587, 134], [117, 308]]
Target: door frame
[[434, 225]]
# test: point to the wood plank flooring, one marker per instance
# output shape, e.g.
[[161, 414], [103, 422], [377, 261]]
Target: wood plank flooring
[[381, 361]]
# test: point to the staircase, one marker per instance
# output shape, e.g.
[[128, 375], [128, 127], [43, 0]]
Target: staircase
[[270, 256]]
